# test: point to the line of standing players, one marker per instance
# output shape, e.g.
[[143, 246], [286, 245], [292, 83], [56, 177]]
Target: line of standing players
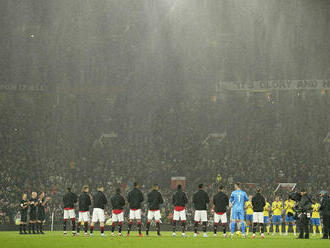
[[36, 204], [134, 200]]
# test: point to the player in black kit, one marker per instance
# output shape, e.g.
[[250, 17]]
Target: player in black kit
[[33, 212], [42, 201], [24, 206]]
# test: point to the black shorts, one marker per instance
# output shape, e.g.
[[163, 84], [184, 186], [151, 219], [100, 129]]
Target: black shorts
[[33, 216], [41, 216], [23, 216]]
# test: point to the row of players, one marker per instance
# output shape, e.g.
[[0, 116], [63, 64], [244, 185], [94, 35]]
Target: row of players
[[255, 210]]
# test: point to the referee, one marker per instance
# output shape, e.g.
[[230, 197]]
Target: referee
[[325, 213]]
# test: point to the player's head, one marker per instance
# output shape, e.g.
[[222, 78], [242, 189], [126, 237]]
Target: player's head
[[34, 194], [135, 185], [179, 187], [277, 198], [220, 188], [250, 197], [117, 190], [303, 191], [201, 186], [68, 189], [42, 194], [24, 196], [86, 189], [155, 187], [258, 190], [100, 188], [237, 186]]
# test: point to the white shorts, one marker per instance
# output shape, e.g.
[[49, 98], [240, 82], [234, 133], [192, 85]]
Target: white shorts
[[84, 216], [118, 217], [69, 214], [220, 217], [179, 215], [258, 217], [154, 215], [135, 214], [98, 215], [200, 215]]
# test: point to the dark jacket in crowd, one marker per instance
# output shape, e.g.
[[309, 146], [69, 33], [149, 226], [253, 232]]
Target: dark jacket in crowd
[[117, 201], [179, 199], [154, 200], [200, 199], [258, 202], [325, 205], [84, 201], [99, 200], [135, 198], [221, 202], [69, 199]]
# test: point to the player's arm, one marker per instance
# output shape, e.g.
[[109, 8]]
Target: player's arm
[[105, 201], [207, 198], [232, 198], [141, 197], [123, 201], [274, 206], [129, 197], [46, 200], [185, 198], [160, 197], [227, 202], [263, 202], [246, 198], [89, 200], [26, 205], [286, 205], [194, 198]]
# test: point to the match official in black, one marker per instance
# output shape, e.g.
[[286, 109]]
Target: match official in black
[[258, 204], [325, 213]]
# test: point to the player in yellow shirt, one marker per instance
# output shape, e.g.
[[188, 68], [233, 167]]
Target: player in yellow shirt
[[248, 214], [316, 218], [288, 207], [266, 215], [277, 208]]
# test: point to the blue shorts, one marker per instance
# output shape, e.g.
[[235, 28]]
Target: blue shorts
[[277, 219], [289, 218], [266, 219], [316, 222], [249, 217], [237, 215]]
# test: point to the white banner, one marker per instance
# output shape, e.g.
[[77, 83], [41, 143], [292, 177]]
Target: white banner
[[275, 85]]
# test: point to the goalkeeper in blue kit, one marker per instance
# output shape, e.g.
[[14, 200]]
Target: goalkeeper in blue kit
[[238, 199]]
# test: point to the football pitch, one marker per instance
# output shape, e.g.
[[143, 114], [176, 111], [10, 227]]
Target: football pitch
[[58, 240]]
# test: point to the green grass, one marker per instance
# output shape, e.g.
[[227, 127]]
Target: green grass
[[58, 240]]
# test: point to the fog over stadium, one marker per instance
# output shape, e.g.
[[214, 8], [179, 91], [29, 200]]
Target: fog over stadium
[[116, 91]]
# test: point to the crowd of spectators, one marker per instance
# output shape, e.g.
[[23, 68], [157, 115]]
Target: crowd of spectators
[[47, 148]]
